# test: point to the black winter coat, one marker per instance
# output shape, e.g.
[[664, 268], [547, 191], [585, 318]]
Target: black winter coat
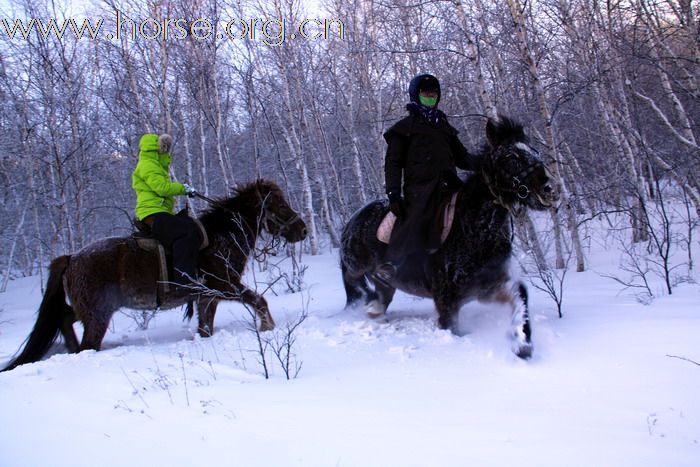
[[425, 157]]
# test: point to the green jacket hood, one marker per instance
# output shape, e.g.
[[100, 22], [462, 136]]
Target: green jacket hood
[[148, 143], [155, 191]]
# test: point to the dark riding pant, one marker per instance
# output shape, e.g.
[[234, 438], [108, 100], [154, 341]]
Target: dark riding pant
[[419, 231], [181, 235]]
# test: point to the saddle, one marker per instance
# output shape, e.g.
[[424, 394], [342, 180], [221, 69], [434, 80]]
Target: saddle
[[446, 218], [148, 243]]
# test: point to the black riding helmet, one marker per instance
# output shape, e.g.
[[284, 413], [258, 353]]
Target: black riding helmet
[[424, 82]]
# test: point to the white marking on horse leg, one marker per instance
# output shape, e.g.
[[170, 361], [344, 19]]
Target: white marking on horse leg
[[375, 309], [521, 345], [519, 332]]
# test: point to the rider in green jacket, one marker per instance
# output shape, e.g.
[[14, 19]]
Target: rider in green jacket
[[155, 202]]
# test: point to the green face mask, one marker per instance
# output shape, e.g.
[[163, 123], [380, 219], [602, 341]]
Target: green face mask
[[428, 101]]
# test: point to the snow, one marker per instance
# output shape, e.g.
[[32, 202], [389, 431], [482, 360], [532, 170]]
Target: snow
[[607, 386]]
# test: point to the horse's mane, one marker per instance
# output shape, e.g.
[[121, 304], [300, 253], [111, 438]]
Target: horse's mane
[[258, 186], [245, 199], [501, 132]]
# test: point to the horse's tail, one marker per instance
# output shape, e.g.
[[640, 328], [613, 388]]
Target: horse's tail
[[189, 311], [52, 312]]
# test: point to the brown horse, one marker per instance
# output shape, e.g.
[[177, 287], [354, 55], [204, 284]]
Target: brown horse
[[114, 273]]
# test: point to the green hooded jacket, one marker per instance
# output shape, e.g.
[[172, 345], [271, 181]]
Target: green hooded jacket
[[155, 191]]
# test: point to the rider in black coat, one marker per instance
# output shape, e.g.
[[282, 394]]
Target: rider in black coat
[[420, 170]]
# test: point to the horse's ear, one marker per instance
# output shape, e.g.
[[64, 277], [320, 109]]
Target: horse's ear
[[493, 132], [261, 189]]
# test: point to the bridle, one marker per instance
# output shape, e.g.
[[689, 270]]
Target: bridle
[[517, 184], [521, 190], [272, 218], [282, 225]]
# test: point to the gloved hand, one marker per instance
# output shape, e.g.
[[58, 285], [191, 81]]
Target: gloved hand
[[189, 190], [396, 205]]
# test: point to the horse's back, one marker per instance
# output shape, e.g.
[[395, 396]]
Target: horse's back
[[360, 247], [115, 265], [104, 254], [365, 220], [98, 254], [101, 245]]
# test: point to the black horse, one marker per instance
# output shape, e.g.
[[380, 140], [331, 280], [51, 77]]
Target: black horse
[[473, 261]]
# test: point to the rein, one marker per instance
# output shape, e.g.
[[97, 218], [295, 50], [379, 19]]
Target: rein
[[213, 202]]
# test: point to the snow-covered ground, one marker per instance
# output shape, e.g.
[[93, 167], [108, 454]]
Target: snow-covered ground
[[607, 386]]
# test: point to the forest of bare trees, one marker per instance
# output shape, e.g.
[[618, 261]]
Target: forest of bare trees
[[608, 90]]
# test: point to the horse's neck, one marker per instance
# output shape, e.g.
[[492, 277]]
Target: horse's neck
[[476, 192], [240, 229], [477, 203], [485, 194]]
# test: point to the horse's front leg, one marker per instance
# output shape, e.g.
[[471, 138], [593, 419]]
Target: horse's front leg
[[259, 304], [520, 333]]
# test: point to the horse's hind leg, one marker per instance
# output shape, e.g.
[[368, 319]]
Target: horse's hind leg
[[95, 324], [378, 300], [355, 286], [357, 289], [68, 332], [206, 309]]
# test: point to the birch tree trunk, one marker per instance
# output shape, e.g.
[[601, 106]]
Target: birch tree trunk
[[184, 131], [473, 49], [335, 181], [203, 152], [15, 238], [551, 149], [220, 153]]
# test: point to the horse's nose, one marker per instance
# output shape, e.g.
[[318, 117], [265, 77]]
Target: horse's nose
[[304, 233]]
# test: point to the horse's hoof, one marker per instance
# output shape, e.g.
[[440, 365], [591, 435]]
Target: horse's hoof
[[375, 309], [448, 324], [523, 351]]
